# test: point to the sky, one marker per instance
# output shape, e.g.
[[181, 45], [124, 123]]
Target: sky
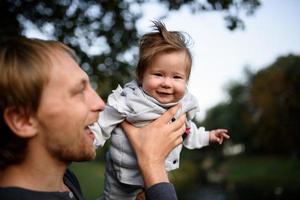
[[219, 55]]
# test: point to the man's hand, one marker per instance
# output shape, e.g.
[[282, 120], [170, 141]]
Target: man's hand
[[152, 144]]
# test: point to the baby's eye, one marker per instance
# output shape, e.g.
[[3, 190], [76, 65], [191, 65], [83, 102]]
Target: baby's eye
[[178, 77], [157, 74]]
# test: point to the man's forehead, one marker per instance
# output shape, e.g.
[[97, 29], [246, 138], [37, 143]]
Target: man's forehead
[[64, 68]]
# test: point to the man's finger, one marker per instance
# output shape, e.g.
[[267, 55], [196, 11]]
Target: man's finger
[[178, 141], [180, 122], [169, 114]]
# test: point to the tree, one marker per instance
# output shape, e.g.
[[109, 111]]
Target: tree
[[107, 26], [233, 115], [264, 112], [274, 101]]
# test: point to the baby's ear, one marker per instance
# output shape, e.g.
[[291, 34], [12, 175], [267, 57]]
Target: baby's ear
[[20, 122]]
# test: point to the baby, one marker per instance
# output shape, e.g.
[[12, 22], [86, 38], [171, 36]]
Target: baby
[[162, 73]]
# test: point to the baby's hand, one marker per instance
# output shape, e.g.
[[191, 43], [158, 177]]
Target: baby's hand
[[218, 135]]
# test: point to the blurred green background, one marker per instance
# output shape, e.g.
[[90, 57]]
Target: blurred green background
[[236, 178], [262, 111], [91, 178]]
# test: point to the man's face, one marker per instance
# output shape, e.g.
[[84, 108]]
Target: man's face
[[68, 106]]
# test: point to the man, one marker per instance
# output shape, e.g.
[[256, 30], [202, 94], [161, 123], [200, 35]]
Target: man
[[46, 107]]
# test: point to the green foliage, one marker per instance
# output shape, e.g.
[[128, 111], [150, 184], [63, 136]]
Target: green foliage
[[264, 112], [186, 176], [107, 26], [260, 173], [91, 178], [232, 115], [275, 97]]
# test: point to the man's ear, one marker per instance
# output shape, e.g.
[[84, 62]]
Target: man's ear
[[20, 122]]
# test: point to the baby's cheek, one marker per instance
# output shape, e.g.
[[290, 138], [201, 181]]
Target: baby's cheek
[[180, 92]]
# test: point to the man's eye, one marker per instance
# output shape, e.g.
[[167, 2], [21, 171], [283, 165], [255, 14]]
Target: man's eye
[[81, 90]]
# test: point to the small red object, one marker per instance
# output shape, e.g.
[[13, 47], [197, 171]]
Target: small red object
[[187, 130]]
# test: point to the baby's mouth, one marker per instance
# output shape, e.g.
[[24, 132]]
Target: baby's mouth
[[164, 93]]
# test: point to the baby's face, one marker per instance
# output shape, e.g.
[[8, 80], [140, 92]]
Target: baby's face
[[166, 77]]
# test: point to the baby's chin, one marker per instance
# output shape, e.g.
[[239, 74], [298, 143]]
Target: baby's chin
[[166, 101]]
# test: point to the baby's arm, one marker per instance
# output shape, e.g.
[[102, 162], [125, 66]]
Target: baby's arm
[[108, 119], [218, 135], [196, 137]]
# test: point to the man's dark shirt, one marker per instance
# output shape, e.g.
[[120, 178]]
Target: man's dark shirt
[[160, 191]]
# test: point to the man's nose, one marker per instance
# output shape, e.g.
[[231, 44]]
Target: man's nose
[[96, 102]]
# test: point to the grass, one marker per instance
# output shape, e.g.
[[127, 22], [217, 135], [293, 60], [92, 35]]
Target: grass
[[255, 172], [264, 171], [91, 178]]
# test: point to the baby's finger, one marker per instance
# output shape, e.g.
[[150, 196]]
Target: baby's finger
[[221, 130], [221, 140], [226, 135]]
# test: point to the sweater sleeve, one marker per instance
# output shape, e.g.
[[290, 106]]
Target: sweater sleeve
[[161, 191], [109, 119], [197, 138], [114, 113]]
